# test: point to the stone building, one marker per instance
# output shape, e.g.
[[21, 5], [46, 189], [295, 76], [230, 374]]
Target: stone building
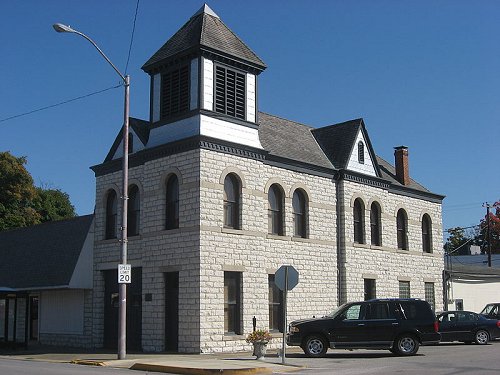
[[221, 195]]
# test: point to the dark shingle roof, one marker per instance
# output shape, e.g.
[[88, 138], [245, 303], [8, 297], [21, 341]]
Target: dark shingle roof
[[328, 147], [474, 266], [388, 172], [205, 30], [140, 127], [291, 140], [43, 255], [337, 141]]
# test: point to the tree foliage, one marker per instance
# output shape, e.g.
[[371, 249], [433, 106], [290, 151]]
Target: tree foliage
[[459, 238], [456, 240], [494, 236], [21, 203]]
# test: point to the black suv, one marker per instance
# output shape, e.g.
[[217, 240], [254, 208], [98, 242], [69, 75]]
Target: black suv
[[399, 325]]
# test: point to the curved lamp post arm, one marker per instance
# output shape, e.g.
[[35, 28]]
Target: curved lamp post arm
[[60, 28]]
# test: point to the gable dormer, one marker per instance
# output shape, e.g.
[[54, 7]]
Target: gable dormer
[[347, 146], [204, 67]]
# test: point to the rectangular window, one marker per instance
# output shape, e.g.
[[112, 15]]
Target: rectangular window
[[232, 302], [429, 295], [380, 311], [404, 289], [275, 306], [370, 289], [230, 92], [175, 92]]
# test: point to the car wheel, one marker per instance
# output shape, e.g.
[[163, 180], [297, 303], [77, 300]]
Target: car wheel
[[406, 345], [315, 346], [481, 337]]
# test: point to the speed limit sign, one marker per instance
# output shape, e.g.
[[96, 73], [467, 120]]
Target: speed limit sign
[[124, 274]]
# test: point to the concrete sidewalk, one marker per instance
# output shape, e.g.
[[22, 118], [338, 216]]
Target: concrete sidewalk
[[195, 364]]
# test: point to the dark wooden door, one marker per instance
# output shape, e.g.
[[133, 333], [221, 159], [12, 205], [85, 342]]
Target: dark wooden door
[[134, 310], [171, 311]]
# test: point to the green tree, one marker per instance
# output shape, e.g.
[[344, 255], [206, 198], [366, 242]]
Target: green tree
[[53, 204], [456, 241], [21, 203]]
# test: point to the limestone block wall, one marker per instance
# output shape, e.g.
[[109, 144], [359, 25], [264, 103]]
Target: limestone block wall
[[155, 249], [255, 253], [386, 264]]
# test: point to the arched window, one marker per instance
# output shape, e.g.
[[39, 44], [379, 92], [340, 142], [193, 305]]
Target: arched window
[[232, 193], [275, 211], [426, 234], [402, 229], [299, 213], [133, 211], [111, 211], [361, 153], [375, 226], [172, 203], [359, 221]]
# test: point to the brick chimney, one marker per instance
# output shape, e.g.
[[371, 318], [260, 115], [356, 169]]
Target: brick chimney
[[401, 161]]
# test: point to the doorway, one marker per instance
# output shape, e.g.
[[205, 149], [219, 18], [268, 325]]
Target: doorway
[[134, 310], [172, 311], [33, 317]]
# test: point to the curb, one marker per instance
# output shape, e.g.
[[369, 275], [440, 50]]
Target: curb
[[88, 362], [200, 371]]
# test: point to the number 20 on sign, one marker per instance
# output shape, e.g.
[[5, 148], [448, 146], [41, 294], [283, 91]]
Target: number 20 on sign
[[124, 274]]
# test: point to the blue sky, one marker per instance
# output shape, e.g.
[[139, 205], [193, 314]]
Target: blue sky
[[424, 74]]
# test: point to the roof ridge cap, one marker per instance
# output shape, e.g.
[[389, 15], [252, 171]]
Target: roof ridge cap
[[238, 38], [282, 118], [205, 9]]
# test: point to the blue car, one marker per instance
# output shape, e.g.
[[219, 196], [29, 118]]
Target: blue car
[[468, 327]]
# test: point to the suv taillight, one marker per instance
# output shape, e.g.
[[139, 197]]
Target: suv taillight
[[498, 323], [436, 326]]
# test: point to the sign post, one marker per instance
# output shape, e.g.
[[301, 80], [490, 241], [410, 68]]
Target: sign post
[[285, 278]]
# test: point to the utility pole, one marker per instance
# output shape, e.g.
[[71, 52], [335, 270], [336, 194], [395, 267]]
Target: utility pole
[[488, 233]]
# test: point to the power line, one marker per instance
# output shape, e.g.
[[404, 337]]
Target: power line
[[61, 103], [459, 228], [132, 37]]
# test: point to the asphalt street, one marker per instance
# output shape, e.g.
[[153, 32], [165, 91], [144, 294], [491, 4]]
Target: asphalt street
[[442, 359]]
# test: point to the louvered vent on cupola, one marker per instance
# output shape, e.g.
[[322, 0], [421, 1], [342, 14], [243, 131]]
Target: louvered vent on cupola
[[230, 92], [175, 92]]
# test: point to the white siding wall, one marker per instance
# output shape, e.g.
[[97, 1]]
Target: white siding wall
[[207, 67], [229, 131], [61, 311], [474, 293], [354, 165], [251, 97]]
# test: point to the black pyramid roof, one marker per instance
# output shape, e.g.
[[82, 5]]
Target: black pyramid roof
[[205, 31]]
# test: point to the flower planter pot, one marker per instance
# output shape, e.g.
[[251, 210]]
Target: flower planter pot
[[259, 349]]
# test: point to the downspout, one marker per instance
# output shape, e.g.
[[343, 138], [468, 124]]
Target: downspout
[[341, 286]]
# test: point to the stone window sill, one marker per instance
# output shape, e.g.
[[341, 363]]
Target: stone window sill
[[232, 337]]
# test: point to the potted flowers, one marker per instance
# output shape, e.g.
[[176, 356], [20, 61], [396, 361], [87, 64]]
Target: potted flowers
[[259, 339]]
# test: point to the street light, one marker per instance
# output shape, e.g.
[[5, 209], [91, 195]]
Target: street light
[[122, 320]]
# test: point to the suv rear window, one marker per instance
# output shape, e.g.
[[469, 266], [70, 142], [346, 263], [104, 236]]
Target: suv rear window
[[411, 310]]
